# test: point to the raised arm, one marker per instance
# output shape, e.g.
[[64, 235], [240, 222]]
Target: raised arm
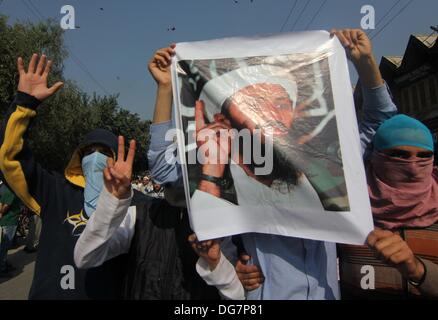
[[26, 178], [377, 102], [110, 229], [159, 67], [162, 171]]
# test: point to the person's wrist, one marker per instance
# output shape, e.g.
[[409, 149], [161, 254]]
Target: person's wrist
[[213, 170], [365, 61], [166, 87], [27, 99], [213, 263], [369, 72], [123, 194], [209, 187], [418, 276]]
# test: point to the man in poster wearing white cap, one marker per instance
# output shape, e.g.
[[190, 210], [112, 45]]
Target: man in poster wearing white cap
[[260, 99]]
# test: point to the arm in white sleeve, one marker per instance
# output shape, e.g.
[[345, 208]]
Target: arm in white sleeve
[[108, 232], [223, 277]]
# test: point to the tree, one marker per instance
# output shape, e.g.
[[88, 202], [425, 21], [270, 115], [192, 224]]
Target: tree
[[64, 119]]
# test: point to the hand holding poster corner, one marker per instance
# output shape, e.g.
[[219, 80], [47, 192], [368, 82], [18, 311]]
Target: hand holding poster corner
[[269, 138]]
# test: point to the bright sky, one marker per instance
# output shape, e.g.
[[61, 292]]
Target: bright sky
[[116, 38]]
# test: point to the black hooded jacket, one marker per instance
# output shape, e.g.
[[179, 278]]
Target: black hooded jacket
[[59, 200], [161, 265]]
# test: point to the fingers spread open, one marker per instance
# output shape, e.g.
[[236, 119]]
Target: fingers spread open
[[131, 153], [47, 69], [20, 66], [32, 63], [53, 89], [41, 63], [121, 149]]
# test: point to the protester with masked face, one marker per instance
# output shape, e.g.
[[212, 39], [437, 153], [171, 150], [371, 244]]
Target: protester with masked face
[[64, 202], [292, 268], [152, 232], [403, 187]]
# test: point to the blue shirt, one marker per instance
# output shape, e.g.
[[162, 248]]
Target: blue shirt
[[294, 268]]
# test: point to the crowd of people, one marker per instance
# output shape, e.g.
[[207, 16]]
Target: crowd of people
[[15, 221], [121, 242], [147, 186]]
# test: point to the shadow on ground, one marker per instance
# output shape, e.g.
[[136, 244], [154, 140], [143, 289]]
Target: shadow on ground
[[18, 259]]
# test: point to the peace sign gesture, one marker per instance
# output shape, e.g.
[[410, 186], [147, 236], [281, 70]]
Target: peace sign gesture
[[117, 175]]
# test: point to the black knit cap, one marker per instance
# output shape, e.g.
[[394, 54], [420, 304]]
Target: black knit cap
[[103, 137]]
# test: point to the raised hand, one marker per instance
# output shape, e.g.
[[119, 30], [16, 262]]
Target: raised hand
[[117, 175], [209, 250], [159, 65], [34, 81], [360, 51], [356, 43]]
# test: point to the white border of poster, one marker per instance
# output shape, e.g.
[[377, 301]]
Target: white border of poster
[[342, 227]]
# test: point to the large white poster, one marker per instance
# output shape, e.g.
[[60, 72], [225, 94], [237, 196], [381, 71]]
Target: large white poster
[[268, 138]]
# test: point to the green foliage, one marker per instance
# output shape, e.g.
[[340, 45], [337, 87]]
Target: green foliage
[[65, 118]]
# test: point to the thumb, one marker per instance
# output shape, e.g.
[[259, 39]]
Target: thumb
[[52, 90], [107, 175], [192, 238], [244, 258]]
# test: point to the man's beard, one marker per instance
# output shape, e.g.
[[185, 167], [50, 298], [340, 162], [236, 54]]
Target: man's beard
[[284, 160], [285, 154]]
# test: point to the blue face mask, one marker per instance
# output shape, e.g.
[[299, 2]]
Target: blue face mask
[[92, 167]]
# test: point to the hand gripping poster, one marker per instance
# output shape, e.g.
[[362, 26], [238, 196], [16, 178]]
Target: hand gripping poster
[[268, 138]]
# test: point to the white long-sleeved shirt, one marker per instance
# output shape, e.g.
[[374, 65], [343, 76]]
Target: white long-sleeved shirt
[[109, 233], [223, 277]]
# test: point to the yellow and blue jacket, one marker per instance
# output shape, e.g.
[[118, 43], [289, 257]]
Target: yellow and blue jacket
[[59, 200]]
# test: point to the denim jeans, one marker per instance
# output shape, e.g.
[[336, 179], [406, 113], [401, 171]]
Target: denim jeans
[[7, 238]]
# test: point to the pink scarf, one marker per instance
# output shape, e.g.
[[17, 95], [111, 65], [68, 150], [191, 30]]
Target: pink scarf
[[404, 193]]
